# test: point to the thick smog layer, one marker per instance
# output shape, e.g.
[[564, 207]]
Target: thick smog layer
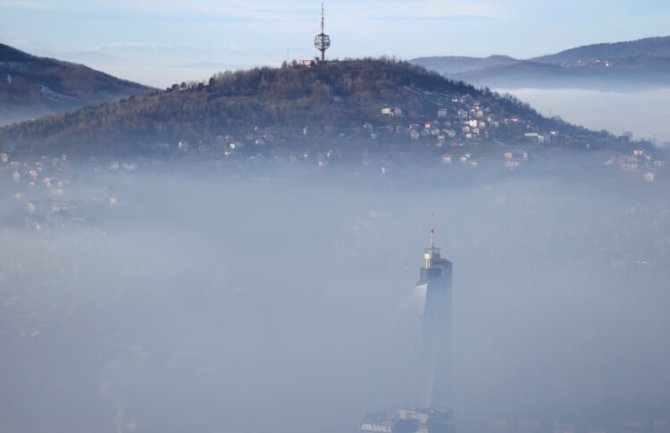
[[181, 300]]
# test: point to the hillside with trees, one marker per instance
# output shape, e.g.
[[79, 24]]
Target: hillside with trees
[[373, 103], [32, 86]]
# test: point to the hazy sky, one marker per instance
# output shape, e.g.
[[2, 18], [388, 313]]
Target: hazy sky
[[160, 42]]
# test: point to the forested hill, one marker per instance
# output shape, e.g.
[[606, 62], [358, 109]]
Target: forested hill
[[32, 86], [369, 102]]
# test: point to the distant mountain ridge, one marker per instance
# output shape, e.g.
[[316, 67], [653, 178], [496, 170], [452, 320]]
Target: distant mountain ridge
[[32, 86], [649, 47], [643, 63], [462, 64]]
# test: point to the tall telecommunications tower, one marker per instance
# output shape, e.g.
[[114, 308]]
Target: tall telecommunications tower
[[434, 351], [322, 40]]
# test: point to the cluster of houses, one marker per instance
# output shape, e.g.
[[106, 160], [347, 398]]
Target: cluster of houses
[[469, 122], [465, 122], [40, 192], [640, 161]]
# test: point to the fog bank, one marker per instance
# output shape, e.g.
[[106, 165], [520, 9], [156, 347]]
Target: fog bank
[[644, 113], [209, 304]]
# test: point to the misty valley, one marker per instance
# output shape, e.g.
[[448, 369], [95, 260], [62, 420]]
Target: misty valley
[[191, 297]]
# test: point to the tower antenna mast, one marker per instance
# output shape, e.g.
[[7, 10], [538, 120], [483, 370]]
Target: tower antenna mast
[[322, 40]]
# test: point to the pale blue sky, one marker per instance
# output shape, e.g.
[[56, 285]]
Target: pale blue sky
[[159, 42]]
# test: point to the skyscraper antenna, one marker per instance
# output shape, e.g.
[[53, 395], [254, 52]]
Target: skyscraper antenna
[[432, 231], [323, 19]]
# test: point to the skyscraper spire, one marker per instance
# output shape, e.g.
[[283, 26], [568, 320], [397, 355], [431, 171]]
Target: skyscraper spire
[[432, 231]]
